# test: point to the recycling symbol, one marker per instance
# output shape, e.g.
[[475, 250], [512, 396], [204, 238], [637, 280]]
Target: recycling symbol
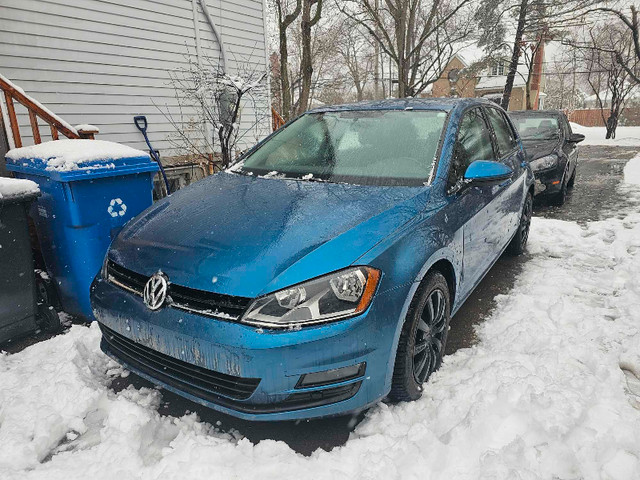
[[117, 208]]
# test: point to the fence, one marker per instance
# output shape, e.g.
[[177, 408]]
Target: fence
[[592, 117]]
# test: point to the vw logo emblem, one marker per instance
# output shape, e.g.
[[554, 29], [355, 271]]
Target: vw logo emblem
[[155, 291]]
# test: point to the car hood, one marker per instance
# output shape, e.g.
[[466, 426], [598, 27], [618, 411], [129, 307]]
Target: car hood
[[539, 148], [246, 236]]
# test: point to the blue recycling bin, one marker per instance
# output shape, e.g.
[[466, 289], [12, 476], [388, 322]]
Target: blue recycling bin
[[83, 206]]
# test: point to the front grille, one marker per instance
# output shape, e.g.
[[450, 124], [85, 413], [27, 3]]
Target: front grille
[[226, 390], [127, 279], [201, 302], [185, 376]]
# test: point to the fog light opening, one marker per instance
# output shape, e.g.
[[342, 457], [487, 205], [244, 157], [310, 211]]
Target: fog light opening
[[329, 377]]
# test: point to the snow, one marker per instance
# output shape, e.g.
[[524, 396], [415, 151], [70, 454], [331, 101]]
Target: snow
[[550, 391], [632, 172], [87, 128], [15, 187], [66, 155], [625, 136], [498, 81]]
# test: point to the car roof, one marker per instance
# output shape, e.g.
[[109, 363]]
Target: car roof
[[537, 113], [445, 104]]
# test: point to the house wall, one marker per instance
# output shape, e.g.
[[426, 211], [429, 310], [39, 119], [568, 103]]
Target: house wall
[[517, 100], [103, 61], [442, 86]]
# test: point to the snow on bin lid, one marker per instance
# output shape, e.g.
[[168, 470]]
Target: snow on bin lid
[[67, 155], [11, 188], [69, 159]]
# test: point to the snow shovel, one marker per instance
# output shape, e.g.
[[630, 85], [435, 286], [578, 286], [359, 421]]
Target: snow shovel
[[141, 123]]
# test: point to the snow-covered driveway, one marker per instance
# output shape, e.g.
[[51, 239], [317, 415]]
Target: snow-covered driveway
[[551, 390]]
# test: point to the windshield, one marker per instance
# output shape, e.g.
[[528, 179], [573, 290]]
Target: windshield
[[380, 147], [537, 128]]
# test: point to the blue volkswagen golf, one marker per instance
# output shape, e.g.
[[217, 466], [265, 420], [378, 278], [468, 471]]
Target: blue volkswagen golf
[[319, 274]]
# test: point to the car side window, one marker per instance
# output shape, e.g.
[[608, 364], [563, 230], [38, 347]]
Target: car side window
[[473, 143], [505, 136]]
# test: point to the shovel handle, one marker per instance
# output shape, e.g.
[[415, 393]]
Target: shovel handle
[[141, 122]]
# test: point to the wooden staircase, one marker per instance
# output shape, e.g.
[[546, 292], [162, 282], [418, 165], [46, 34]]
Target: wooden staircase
[[12, 93], [276, 120]]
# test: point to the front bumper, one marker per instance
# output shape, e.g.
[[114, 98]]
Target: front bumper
[[248, 372], [548, 182]]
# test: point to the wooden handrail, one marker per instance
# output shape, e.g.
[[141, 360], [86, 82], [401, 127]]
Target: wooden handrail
[[276, 120], [35, 110]]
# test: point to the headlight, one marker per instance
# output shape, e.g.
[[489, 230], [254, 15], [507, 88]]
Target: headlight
[[331, 297], [104, 273], [544, 163]]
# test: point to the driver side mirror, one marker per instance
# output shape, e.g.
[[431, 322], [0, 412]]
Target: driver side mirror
[[487, 172], [576, 138]]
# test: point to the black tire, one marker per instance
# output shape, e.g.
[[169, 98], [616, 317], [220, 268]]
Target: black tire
[[561, 197], [423, 338], [519, 241], [48, 319], [46, 290]]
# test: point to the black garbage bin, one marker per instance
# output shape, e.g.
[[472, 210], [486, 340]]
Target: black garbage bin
[[20, 311]]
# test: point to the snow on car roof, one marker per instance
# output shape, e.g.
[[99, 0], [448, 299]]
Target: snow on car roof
[[66, 155]]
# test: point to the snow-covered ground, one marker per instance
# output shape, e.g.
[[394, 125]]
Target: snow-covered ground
[[550, 391], [625, 136]]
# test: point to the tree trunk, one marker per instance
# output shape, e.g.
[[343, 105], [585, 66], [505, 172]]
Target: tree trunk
[[283, 24], [513, 66], [528, 95], [612, 124], [285, 87], [400, 20], [306, 62]]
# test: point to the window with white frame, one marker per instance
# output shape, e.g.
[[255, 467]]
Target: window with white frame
[[497, 68]]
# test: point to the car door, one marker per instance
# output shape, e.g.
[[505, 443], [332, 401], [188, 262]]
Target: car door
[[469, 204], [570, 149], [508, 196]]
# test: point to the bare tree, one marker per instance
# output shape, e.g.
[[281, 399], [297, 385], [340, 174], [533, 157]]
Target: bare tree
[[534, 19], [563, 82], [308, 21], [357, 54], [530, 51], [284, 21], [606, 74], [210, 102], [631, 22], [418, 35]]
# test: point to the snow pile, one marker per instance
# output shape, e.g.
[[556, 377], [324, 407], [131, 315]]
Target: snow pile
[[66, 155], [625, 136], [551, 391], [15, 187], [632, 172]]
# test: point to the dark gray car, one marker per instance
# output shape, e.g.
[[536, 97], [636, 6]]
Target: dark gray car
[[551, 149]]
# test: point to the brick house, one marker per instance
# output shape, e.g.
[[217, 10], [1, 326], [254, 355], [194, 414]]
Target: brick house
[[468, 74]]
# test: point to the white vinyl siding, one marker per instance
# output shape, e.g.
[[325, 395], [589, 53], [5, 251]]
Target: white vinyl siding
[[103, 61]]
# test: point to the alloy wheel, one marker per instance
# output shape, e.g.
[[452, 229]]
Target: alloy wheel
[[525, 220], [429, 337]]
